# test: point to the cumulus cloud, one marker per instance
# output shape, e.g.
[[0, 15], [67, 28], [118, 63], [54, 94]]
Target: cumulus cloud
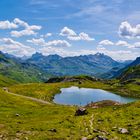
[[53, 43], [46, 35], [67, 32], [17, 23], [127, 31], [7, 25], [22, 33], [8, 45], [135, 45], [39, 42], [106, 43], [58, 43], [122, 43], [27, 31], [72, 35], [52, 50]]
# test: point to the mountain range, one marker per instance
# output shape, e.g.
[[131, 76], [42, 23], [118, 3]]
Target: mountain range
[[131, 71], [18, 70], [92, 65], [40, 68]]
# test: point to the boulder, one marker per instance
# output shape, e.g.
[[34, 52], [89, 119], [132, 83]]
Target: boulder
[[17, 115], [53, 130], [81, 111], [123, 131], [100, 138]]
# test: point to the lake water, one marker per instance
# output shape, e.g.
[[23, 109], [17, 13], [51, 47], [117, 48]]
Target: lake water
[[83, 96]]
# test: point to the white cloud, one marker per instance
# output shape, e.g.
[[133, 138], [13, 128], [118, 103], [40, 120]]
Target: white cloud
[[54, 43], [67, 32], [127, 31], [52, 50], [136, 45], [29, 29], [20, 22], [71, 35], [16, 23], [46, 35], [26, 25], [39, 42], [16, 48], [82, 36], [7, 25], [106, 43], [58, 43], [85, 36], [122, 43], [22, 33]]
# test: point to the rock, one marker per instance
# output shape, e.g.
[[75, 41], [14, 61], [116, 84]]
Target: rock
[[123, 131], [81, 111], [100, 138], [95, 130], [53, 130], [129, 125], [103, 103], [17, 115]]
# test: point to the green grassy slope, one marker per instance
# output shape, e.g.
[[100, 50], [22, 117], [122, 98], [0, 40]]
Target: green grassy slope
[[22, 72], [35, 121], [24, 75], [48, 90], [131, 73], [4, 81]]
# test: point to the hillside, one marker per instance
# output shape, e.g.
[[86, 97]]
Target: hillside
[[26, 119], [4, 81], [131, 73], [16, 69]]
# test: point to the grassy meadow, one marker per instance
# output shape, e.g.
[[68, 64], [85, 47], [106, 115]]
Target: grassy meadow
[[23, 119]]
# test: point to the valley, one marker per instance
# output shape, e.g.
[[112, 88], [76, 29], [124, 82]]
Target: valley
[[22, 118], [69, 70], [28, 111]]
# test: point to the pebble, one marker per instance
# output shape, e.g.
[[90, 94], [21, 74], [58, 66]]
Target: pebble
[[123, 131]]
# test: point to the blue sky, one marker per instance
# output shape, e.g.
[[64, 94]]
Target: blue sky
[[71, 27]]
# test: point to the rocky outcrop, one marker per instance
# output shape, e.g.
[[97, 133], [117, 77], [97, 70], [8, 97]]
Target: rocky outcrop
[[104, 103], [81, 112]]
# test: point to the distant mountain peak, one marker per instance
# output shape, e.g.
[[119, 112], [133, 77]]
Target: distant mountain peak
[[37, 54], [99, 54], [135, 62], [54, 56]]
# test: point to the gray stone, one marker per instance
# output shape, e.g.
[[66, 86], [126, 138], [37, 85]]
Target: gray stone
[[53, 130], [81, 111], [84, 138], [17, 115], [123, 131]]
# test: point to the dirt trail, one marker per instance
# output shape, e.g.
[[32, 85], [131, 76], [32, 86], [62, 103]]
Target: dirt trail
[[26, 97]]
